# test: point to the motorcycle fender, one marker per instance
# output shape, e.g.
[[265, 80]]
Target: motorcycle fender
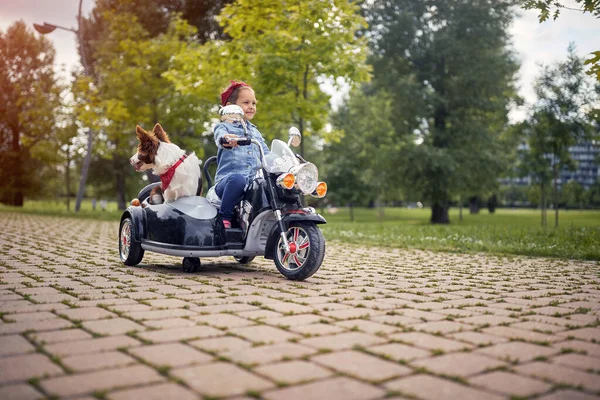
[[138, 217], [287, 219]]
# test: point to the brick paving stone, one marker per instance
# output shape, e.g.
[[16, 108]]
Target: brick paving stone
[[560, 374], [398, 351], [395, 320], [293, 372], [89, 382], [113, 326], [19, 391], [294, 320], [510, 384], [539, 327], [264, 333], [430, 342], [161, 391], [342, 341], [90, 346], [64, 335], [517, 351], [169, 323], [458, 364], [587, 334], [587, 348], [170, 354], [35, 316], [578, 361], [31, 325], [269, 353], [488, 320], [522, 334], [258, 314], [316, 329], [159, 314], [223, 320], [339, 388], [168, 303], [568, 395], [361, 365], [442, 327], [221, 379], [14, 344], [177, 334], [351, 313], [427, 387], [221, 344], [477, 338], [90, 362], [87, 313], [367, 326], [23, 367]]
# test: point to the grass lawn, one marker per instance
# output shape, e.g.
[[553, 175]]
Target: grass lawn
[[507, 231]]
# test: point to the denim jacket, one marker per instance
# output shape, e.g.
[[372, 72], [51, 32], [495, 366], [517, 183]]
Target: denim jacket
[[243, 160]]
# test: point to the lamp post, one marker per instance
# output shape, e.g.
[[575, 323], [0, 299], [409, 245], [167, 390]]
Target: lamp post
[[45, 29]]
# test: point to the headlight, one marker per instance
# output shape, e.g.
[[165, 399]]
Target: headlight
[[307, 175]]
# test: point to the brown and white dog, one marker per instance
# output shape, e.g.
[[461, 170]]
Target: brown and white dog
[[178, 172]]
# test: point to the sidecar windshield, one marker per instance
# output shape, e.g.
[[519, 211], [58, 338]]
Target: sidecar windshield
[[281, 158]]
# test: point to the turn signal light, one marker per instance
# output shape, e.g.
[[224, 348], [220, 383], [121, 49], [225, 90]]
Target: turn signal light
[[286, 181], [321, 190]]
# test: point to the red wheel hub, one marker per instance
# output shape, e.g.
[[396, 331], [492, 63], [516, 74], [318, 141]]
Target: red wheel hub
[[293, 248]]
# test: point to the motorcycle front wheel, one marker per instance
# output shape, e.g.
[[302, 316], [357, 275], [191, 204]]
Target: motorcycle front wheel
[[306, 253]]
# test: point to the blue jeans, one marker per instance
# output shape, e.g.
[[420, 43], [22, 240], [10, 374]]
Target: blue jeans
[[230, 190]]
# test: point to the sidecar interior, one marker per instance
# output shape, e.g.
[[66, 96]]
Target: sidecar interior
[[145, 192]]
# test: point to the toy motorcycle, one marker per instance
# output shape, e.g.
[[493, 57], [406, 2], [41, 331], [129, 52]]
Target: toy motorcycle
[[270, 218]]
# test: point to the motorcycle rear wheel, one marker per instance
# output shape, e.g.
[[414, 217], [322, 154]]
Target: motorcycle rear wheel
[[307, 250]]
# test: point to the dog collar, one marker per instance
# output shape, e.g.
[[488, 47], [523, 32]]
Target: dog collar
[[165, 178]]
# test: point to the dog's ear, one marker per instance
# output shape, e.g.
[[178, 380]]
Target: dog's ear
[[161, 134], [140, 132]]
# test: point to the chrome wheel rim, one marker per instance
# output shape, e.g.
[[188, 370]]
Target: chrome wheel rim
[[299, 242], [125, 240]]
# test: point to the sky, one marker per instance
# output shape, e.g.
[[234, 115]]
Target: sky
[[533, 42]]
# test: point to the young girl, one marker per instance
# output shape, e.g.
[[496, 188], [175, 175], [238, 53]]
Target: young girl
[[236, 165]]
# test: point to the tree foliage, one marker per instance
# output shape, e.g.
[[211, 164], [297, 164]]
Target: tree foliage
[[450, 72], [284, 50], [29, 97]]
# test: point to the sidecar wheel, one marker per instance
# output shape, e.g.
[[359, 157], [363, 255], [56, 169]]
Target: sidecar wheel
[[243, 260], [191, 264], [130, 252], [307, 250]]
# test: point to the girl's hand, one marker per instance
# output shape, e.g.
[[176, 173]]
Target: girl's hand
[[230, 143]]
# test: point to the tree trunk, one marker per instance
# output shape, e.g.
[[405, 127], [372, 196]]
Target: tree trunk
[[460, 207], [84, 171], [351, 208], [474, 205], [543, 204], [68, 179], [439, 213], [120, 176], [555, 195]]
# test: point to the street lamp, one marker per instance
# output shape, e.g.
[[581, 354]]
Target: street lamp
[[49, 28]]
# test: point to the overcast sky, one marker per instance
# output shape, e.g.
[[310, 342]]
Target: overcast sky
[[535, 43]]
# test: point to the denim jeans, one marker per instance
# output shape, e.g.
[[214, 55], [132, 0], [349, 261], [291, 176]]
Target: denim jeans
[[230, 190]]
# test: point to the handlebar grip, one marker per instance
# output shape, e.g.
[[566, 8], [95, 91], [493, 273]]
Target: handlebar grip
[[244, 142]]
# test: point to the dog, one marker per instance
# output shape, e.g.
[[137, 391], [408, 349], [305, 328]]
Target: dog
[[179, 172]]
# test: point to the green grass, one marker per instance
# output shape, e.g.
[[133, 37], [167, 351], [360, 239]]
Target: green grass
[[59, 208], [507, 231]]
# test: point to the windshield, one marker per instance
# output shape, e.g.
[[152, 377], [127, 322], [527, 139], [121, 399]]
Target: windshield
[[281, 158]]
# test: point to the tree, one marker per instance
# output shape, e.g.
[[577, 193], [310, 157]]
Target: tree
[[450, 71], [560, 117], [29, 96], [130, 90], [553, 8], [284, 50], [360, 165]]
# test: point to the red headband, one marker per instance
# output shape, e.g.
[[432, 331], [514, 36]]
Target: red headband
[[232, 86]]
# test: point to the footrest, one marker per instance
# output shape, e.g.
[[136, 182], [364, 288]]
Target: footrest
[[234, 235]]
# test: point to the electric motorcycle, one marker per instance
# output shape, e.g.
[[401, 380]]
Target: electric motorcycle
[[270, 220]]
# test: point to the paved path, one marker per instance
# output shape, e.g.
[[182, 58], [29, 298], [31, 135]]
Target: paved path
[[372, 324]]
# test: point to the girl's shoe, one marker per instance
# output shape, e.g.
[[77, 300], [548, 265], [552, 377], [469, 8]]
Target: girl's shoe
[[227, 224]]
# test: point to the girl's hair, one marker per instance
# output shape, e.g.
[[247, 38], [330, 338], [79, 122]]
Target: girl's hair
[[232, 92]]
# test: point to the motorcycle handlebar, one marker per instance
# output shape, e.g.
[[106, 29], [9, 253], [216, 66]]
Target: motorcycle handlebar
[[240, 141]]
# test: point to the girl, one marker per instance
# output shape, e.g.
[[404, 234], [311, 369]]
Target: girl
[[236, 166]]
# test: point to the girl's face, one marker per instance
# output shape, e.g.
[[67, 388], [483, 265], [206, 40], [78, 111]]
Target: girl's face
[[247, 101]]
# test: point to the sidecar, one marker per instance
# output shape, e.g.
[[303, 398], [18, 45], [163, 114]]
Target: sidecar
[[188, 227]]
